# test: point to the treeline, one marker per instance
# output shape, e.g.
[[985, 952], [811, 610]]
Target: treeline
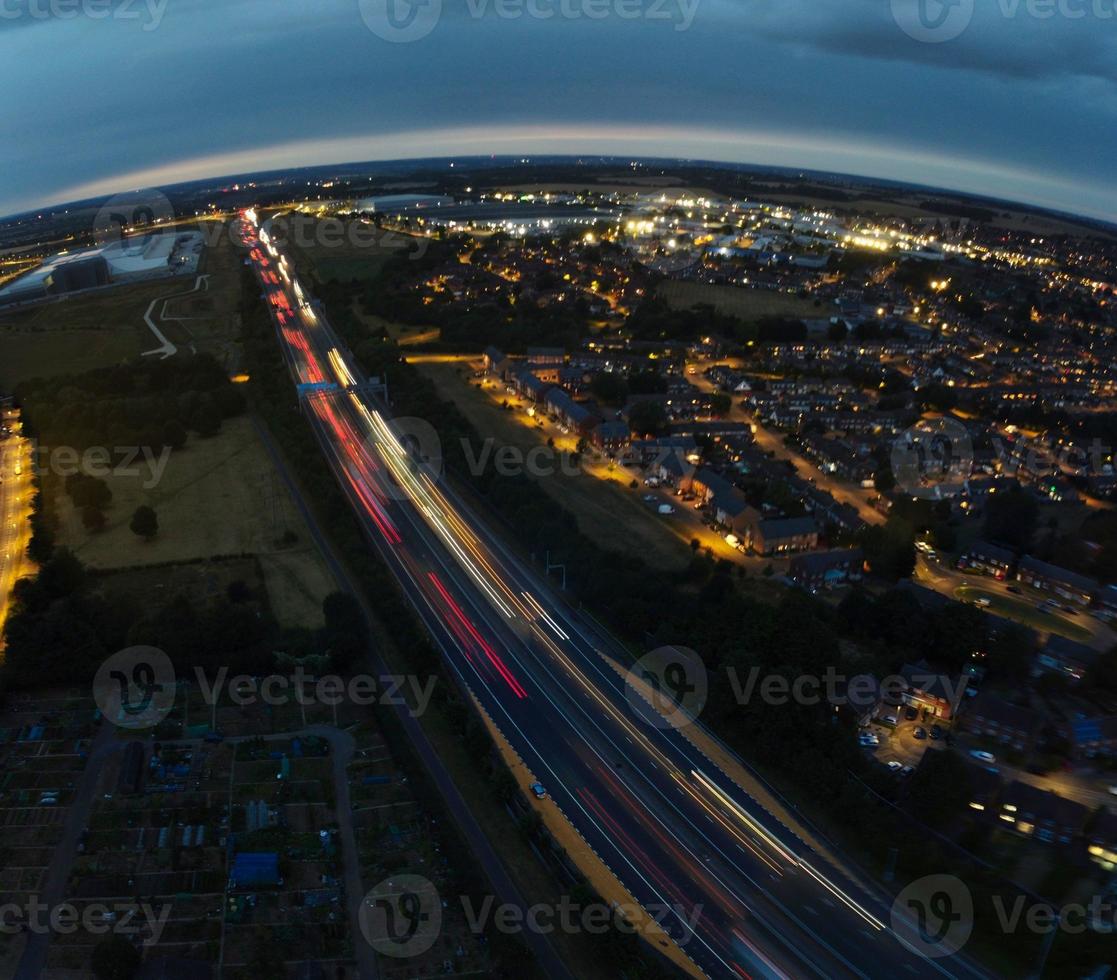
[[145, 403]]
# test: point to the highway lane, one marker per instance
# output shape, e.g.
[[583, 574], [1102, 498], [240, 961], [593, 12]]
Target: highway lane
[[676, 831]]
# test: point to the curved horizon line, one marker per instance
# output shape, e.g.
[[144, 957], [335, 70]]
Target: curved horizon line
[[864, 158]]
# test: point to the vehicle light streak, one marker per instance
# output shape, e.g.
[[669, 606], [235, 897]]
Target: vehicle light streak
[[493, 656]]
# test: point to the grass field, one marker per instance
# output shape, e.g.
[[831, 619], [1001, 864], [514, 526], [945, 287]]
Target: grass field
[[105, 328], [323, 252], [218, 496], [745, 304], [605, 510], [1024, 613]]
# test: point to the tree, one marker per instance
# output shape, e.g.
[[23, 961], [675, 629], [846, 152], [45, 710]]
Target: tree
[[346, 631], [720, 403], [144, 522], [609, 388], [174, 434], [648, 418], [1011, 517], [114, 958], [92, 518]]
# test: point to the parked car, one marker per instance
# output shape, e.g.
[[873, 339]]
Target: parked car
[[920, 733], [907, 770], [936, 732], [538, 791], [895, 766], [911, 713], [1015, 590], [983, 756]]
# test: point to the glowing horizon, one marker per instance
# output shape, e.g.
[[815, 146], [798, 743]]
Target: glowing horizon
[[866, 158]]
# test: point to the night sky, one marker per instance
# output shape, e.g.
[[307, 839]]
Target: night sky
[[134, 93]]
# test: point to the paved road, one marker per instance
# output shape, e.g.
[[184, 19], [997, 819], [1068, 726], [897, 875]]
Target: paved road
[[771, 440], [15, 510], [479, 844], [742, 894], [53, 892]]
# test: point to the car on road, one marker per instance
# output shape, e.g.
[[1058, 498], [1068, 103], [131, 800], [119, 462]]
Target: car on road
[[1015, 590], [538, 791], [868, 739], [920, 733], [1113, 790], [982, 756], [650, 498]]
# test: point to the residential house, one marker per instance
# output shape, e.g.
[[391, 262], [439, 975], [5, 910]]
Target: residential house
[[931, 691], [1101, 839], [1094, 737], [782, 535], [1009, 724], [1041, 814], [989, 558], [610, 437], [1065, 657], [529, 386], [494, 361], [570, 412], [827, 569], [1078, 589]]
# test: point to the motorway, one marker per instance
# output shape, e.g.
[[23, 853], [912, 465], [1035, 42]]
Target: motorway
[[676, 831], [15, 509]]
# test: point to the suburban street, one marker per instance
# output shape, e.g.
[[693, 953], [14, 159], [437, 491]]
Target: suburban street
[[15, 508], [771, 441], [743, 895]]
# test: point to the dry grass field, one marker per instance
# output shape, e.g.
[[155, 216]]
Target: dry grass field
[[745, 304], [604, 509], [216, 497]]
